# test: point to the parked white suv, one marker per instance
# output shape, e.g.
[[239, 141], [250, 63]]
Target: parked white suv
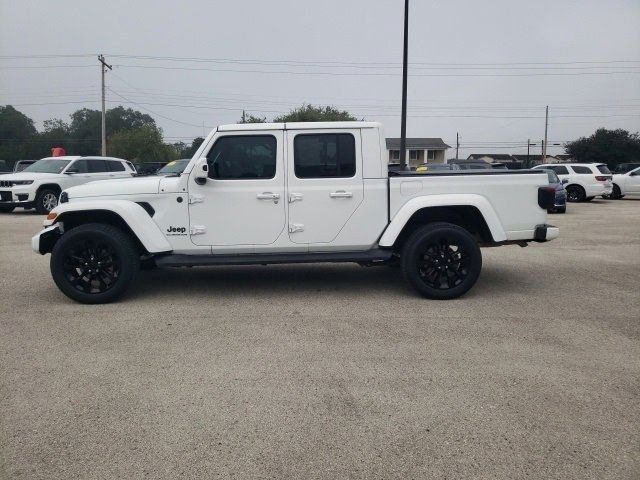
[[585, 181], [626, 184], [40, 184]]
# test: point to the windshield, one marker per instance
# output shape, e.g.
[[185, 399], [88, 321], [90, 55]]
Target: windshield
[[177, 166], [47, 165], [432, 167], [553, 178]]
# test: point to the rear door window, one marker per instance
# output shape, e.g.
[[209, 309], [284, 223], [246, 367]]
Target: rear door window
[[115, 166], [559, 169], [581, 170], [324, 155]]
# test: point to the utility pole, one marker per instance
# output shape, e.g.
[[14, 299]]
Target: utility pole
[[546, 128], [403, 121], [457, 145], [244, 118], [528, 160], [103, 68]]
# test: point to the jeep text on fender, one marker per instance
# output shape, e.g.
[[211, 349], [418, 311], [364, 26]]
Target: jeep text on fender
[[293, 193]]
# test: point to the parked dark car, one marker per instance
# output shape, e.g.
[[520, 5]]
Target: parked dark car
[[20, 165], [174, 168], [481, 166], [437, 167], [560, 205], [623, 168], [148, 168]]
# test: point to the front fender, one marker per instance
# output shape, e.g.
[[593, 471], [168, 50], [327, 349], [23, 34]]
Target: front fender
[[132, 214], [445, 200]]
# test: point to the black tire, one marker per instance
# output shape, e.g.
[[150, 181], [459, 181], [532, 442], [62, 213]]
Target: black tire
[[616, 194], [94, 263], [575, 193], [45, 200], [5, 209], [441, 261]]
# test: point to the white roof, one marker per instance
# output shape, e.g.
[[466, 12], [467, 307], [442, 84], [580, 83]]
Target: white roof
[[297, 126], [78, 157]]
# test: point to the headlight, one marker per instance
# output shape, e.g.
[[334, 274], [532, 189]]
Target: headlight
[[22, 182]]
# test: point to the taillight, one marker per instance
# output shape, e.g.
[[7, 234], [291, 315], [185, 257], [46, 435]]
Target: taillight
[[601, 178], [546, 197]]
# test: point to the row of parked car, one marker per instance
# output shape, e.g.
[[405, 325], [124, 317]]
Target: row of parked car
[[39, 183]]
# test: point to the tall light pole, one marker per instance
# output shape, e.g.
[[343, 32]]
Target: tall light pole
[[546, 128], [403, 122], [103, 68]]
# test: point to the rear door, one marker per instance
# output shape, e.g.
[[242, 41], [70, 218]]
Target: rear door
[[324, 183]]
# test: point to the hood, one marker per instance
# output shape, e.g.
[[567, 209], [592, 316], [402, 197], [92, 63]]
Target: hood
[[121, 186], [28, 176]]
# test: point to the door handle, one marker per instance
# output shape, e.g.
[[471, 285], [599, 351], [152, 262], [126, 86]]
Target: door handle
[[269, 196], [341, 194]]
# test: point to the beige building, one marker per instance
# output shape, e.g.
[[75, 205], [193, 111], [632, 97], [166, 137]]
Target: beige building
[[419, 150]]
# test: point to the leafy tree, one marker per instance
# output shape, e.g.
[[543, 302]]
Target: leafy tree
[[310, 113], [252, 119], [609, 146], [142, 144], [187, 151], [16, 132]]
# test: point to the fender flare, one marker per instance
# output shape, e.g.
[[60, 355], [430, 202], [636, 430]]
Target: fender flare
[[132, 214], [401, 218]]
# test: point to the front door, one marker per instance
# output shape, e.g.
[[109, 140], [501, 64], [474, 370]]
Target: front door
[[242, 202], [633, 181], [324, 185]]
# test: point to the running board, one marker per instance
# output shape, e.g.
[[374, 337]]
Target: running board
[[176, 260]]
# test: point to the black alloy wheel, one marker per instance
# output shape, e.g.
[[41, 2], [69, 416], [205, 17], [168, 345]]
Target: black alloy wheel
[[441, 260], [575, 194], [94, 263]]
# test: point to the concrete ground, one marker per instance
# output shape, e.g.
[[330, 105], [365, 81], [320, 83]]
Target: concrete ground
[[331, 371]]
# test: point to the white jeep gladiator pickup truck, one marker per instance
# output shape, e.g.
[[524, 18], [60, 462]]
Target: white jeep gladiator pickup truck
[[292, 193]]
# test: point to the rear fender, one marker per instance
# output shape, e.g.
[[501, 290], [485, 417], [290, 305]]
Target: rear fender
[[133, 215], [447, 200]]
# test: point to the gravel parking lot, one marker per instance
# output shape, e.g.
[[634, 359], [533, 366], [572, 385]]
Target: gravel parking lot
[[330, 371]]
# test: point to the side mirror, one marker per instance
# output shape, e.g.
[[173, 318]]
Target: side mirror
[[634, 174], [202, 171], [565, 181]]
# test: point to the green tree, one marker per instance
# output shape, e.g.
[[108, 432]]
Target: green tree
[[17, 133], [249, 118], [609, 146], [187, 151], [310, 113], [142, 144]]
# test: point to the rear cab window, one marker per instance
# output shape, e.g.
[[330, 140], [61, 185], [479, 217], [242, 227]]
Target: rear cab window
[[324, 155]]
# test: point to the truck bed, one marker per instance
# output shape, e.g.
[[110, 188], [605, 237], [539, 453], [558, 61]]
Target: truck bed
[[512, 194]]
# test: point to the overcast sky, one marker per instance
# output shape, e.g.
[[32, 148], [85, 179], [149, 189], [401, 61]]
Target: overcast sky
[[477, 67]]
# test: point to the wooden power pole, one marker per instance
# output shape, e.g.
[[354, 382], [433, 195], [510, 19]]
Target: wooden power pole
[[103, 68]]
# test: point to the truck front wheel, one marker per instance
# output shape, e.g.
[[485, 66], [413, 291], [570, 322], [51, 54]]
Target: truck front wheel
[[94, 263], [441, 261]]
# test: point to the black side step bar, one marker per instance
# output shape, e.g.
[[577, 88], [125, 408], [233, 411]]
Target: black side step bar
[[177, 260]]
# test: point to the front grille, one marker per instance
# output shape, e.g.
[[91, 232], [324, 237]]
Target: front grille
[[6, 183]]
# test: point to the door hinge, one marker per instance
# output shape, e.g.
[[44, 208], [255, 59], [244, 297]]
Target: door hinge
[[197, 229], [295, 197], [196, 199], [296, 227]]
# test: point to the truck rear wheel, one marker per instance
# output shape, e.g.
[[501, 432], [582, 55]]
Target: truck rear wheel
[[94, 263], [441, 261]]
